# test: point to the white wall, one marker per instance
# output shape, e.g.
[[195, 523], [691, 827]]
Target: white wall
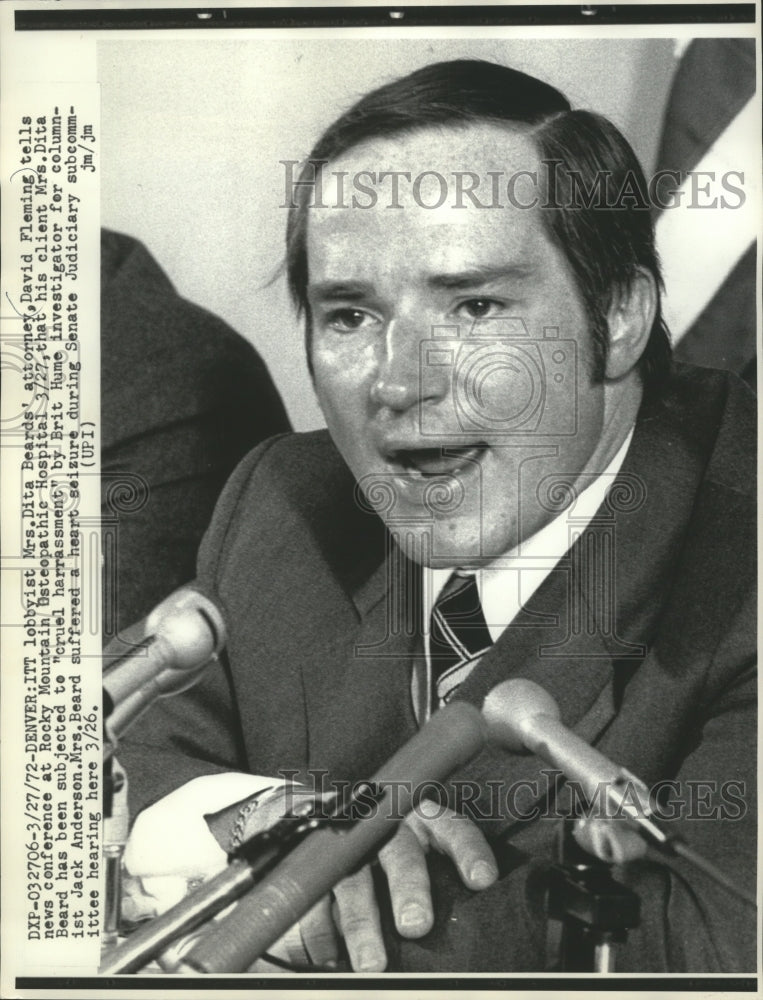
[[193, 132]]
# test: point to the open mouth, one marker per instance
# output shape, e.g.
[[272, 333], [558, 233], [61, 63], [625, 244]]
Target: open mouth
[[425, 463]]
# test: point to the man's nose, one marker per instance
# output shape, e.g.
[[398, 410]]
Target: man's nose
[[400, 383]]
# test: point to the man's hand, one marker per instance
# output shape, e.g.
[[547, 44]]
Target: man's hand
[[166, 864], [355, 914]]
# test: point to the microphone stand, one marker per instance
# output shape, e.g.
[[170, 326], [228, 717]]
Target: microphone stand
[[581, 893], [177, 642], [246, 866], [595, 910]]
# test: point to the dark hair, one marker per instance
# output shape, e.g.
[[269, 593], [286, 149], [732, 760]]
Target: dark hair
[[605, 244]]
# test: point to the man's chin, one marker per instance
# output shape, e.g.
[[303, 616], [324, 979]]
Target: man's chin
[[442, 546]]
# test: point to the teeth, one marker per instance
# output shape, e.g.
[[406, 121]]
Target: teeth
[[426, 463]]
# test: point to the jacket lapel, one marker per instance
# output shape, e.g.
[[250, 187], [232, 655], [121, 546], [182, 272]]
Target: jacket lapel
[[590, 624], [580, 681], [359, 699]]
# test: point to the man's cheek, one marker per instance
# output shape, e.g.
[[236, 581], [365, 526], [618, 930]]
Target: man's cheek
[[343, 374], [327, 382]]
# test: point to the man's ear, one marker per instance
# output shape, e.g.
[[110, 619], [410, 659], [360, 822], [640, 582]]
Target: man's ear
[[630, 318]]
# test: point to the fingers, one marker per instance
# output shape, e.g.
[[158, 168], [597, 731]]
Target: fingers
[[457, 837], [359, 922], [403, 860], [319, 936], [404, 864]]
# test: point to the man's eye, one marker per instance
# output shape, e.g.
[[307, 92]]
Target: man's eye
[[345, 320], [479, 308]]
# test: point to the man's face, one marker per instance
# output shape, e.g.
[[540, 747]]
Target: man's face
[[434, 350]]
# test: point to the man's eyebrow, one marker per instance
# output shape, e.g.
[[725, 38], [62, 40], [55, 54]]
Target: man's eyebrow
[[475, 277], [328, 291]]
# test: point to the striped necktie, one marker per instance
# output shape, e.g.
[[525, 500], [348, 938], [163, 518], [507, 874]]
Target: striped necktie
[[458, 636]]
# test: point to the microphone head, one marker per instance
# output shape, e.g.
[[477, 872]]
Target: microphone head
[[197, 597], [510, 708], [189, 627]]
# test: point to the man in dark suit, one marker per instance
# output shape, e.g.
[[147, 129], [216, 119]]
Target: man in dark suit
[[184, 399], [515, 482]]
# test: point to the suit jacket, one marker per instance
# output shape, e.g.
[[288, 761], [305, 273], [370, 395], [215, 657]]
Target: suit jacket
[[652, 660], [183, 399]]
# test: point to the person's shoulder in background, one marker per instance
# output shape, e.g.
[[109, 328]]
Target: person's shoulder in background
[[716, 414], [183, 398]]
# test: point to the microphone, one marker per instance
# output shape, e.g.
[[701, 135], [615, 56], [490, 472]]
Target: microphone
[[525, 717], [183, 634], [453, 735]]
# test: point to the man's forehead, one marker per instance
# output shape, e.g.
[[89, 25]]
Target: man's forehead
[[401, 187], [430, 171], [462, 147]]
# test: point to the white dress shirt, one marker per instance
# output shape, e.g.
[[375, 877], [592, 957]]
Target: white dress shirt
[[507, 583]]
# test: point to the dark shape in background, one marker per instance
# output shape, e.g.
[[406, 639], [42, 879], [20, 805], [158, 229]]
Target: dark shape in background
[[183, 398]]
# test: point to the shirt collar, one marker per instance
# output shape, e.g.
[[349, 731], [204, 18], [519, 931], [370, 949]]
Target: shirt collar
[[509, 581]]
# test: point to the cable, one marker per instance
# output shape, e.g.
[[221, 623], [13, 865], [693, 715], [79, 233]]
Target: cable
[[682, 849]]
